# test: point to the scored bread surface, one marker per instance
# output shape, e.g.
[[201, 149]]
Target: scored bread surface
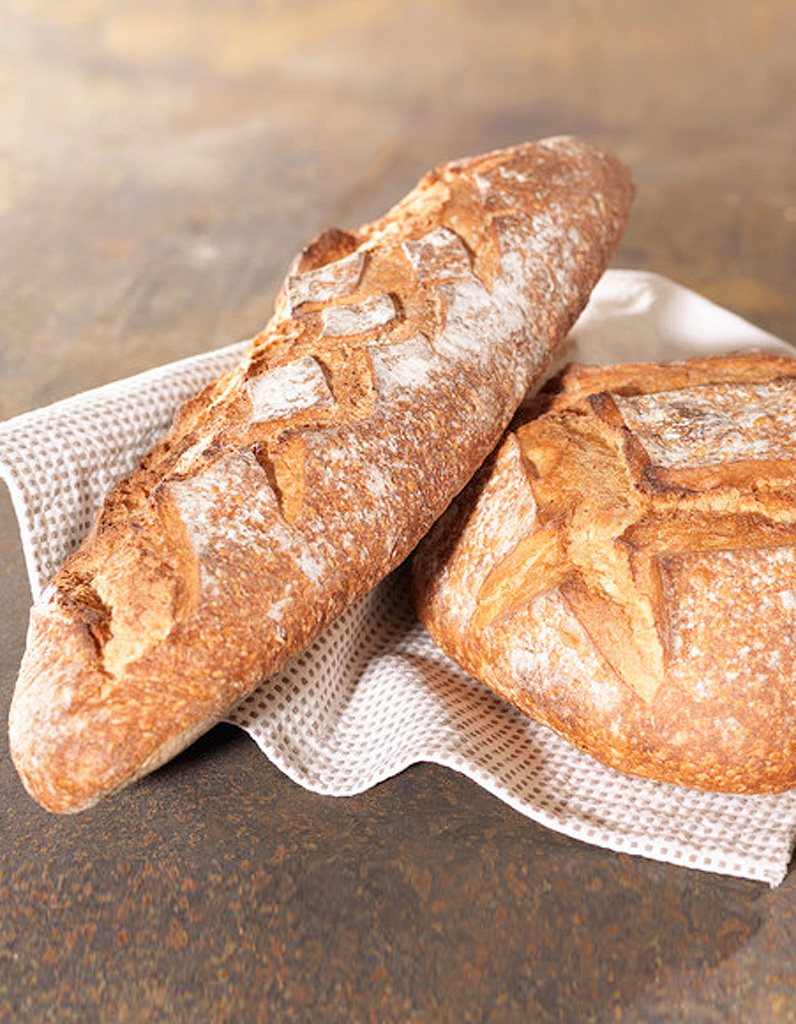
[[396, 356], [623, 569]]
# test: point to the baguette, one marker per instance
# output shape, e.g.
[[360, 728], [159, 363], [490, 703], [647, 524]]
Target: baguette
[[623, 570], [396, 356]]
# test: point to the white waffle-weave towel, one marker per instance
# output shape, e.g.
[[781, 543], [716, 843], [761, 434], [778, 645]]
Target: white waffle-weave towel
[[373, 695]]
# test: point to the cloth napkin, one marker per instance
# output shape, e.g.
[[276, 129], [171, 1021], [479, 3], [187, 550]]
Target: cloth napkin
[[373, 695]]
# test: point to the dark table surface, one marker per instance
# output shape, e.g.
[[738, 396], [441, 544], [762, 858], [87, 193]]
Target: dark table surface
[[160, 163]]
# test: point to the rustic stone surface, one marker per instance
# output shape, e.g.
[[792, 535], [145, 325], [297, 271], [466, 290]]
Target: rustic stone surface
[[159, 166]]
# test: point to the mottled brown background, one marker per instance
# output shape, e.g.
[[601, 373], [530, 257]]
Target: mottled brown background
[[159, 165]]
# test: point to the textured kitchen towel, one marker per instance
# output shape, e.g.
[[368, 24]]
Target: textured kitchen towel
[[373, 694]]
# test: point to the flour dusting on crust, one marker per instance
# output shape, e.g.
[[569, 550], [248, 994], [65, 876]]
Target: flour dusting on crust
[[714, 423], [405, 364], [359, 317], [331, 281], [288, 389]]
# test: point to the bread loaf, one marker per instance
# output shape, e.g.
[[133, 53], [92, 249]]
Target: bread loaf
[[396, 356], [623, 570]]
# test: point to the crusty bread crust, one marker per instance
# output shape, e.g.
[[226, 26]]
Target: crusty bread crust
[[397, 355], [623, 569]]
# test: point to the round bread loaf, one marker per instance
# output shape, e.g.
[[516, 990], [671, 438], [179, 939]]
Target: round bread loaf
[[623, 569]]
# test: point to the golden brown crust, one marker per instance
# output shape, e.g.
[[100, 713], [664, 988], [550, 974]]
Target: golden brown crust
[[645, 607], [299, 479]]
